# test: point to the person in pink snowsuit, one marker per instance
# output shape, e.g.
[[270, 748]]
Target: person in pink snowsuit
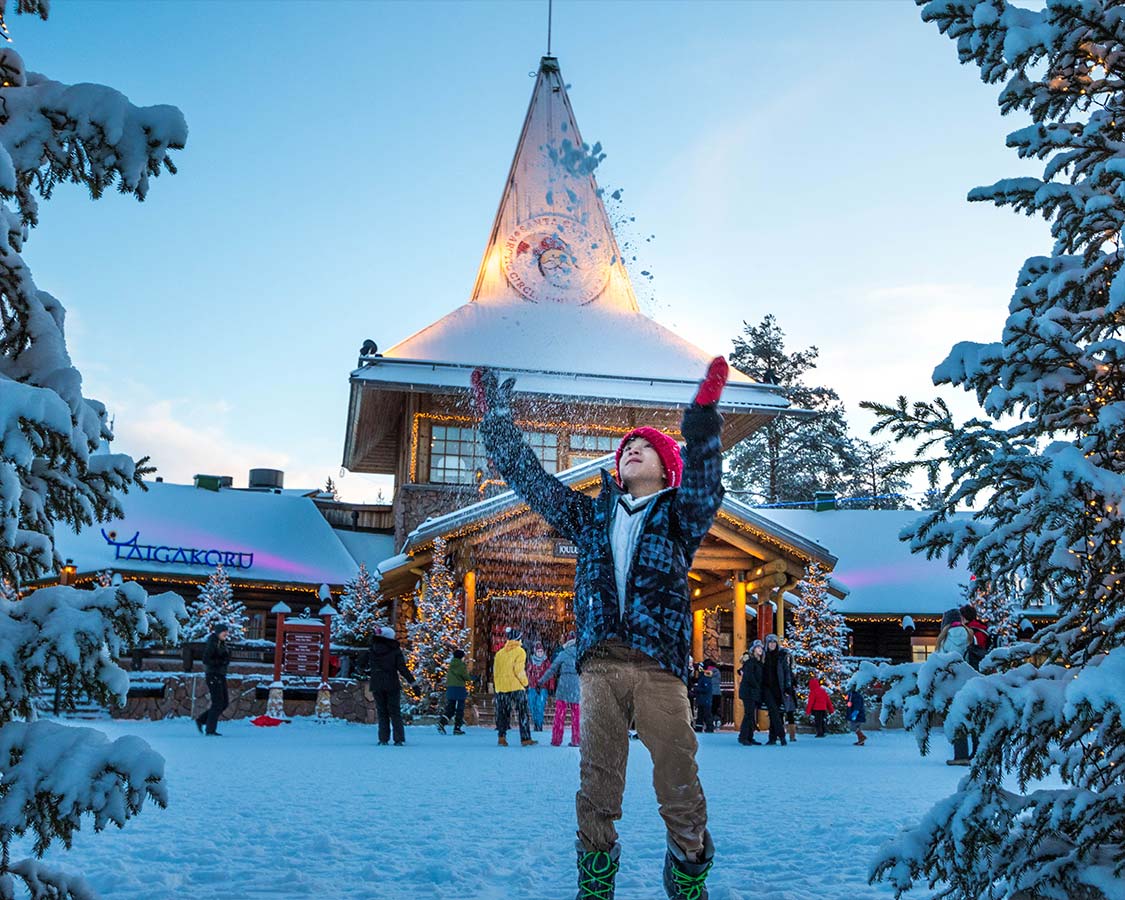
[[567, 694]]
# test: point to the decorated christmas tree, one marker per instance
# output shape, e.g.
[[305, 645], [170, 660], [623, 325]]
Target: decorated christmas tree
[[818, 640], [1038, 814], [358, 617], [996, 608], [438, 630], [8, 590], [216, 603], [104, 578], [55, 474]]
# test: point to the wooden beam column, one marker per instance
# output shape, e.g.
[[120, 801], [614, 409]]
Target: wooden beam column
[[697, 636], [765, 614], [780, 614], [470, 586], [738, 605]]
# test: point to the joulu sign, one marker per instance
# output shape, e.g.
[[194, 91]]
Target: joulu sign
[[132, 549]]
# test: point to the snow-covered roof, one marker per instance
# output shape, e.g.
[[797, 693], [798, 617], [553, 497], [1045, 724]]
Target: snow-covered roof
[[179, 530], [882, 575], [367, 547], [553, 301]]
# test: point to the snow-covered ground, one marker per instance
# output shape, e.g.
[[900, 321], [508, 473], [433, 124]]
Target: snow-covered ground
[[311, 810]]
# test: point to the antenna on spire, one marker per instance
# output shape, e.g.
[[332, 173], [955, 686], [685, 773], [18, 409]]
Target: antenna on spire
[[550, 5]]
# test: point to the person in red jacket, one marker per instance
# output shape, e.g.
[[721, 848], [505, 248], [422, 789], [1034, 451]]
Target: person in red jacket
[[819, 705]]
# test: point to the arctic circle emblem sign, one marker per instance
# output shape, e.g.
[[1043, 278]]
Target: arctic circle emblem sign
[[553, 259]]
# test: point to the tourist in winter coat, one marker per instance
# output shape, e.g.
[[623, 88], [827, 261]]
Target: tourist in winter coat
[[857, 715], [567, 693], [537, 686], [216, 659], [819, 706], [955, 637], [636, 540], [456, 691], [387, 664], [978, 634], [776, 684], [751, 676], [705, 695], [509, 677]]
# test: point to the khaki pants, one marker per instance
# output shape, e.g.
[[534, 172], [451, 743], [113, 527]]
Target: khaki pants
[[621, 685]]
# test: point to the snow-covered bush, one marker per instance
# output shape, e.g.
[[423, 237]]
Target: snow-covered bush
[[1043, 469], [53, 475]]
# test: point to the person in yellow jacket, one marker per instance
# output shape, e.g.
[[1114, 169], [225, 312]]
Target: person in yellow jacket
[[509, 677]]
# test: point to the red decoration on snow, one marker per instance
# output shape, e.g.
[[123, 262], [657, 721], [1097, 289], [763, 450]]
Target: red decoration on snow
[[268, 722]]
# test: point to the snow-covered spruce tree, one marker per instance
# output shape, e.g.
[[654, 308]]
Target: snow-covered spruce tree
[[53, 776], [1046, 481], [358, 616], [216, 603], [438, 630], [818, 640]]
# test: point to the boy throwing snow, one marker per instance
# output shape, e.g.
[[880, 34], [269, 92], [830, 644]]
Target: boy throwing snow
[[636, 541]]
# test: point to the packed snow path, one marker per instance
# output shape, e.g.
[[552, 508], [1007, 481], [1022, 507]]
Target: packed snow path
[[309, 810]]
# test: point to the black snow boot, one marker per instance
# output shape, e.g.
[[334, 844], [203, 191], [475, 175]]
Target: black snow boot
[[597, 872], [684, 880], [441, 722]]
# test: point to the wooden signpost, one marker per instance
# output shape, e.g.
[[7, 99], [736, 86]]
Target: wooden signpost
[[302, 650]]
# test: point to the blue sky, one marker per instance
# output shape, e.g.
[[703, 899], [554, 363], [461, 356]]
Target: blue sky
[[345, 160]]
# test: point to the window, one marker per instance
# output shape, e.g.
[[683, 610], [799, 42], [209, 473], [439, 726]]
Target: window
[[591, 446], [256, 627], [922, 647], [456, 453]]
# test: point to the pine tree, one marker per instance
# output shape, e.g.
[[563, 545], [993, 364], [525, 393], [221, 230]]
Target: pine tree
[[216, 604], [8, 591], [358, 615], [52, 477], [1043, 468], [876, 481], [330, 489], [789, 458], [104, 578], [438, 630], [818, 639]]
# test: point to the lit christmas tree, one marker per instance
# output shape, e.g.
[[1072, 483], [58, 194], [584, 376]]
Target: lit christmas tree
[[818, 640], [8, 590], [358, 616], [104, 578], [438, 630], [215, 604], [995, 608]]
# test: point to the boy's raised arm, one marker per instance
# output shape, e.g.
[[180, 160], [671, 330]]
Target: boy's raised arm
[[701, 488], [566, 510]]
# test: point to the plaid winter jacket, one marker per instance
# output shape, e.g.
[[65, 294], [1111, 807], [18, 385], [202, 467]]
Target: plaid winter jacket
[[657, 618]]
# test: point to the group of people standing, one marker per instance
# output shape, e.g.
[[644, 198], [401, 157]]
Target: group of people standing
[[524, 684]]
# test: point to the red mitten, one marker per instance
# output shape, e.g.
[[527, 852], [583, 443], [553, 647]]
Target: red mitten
[[711, 388], [480, 391]]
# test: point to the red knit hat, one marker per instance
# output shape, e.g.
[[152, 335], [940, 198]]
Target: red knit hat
[[666, 448]]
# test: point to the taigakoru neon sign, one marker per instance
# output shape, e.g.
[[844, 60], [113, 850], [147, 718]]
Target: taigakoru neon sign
[[161, 553]]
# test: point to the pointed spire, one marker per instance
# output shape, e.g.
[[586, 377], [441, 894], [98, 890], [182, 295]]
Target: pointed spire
[[552, 241]]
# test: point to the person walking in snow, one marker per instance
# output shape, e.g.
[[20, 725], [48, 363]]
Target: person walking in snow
[[751, 676], [537, 685], [955, 637], [857, 715], [387, 664], [819, 706], [216, 659], [567, 693], [509, 677], [636, 541], [705, 696], [776, 685], [456, 691]]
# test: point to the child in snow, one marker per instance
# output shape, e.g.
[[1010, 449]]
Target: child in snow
[[456, 691], [819, 706], [635, 541], [568, 693], [537, 684], [705, 695], [857, 715]]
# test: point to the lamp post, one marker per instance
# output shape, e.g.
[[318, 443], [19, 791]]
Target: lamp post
[[68, 571], [275, 705]]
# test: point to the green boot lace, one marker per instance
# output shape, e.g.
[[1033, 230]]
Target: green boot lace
[[596, 873], [689, 886]]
